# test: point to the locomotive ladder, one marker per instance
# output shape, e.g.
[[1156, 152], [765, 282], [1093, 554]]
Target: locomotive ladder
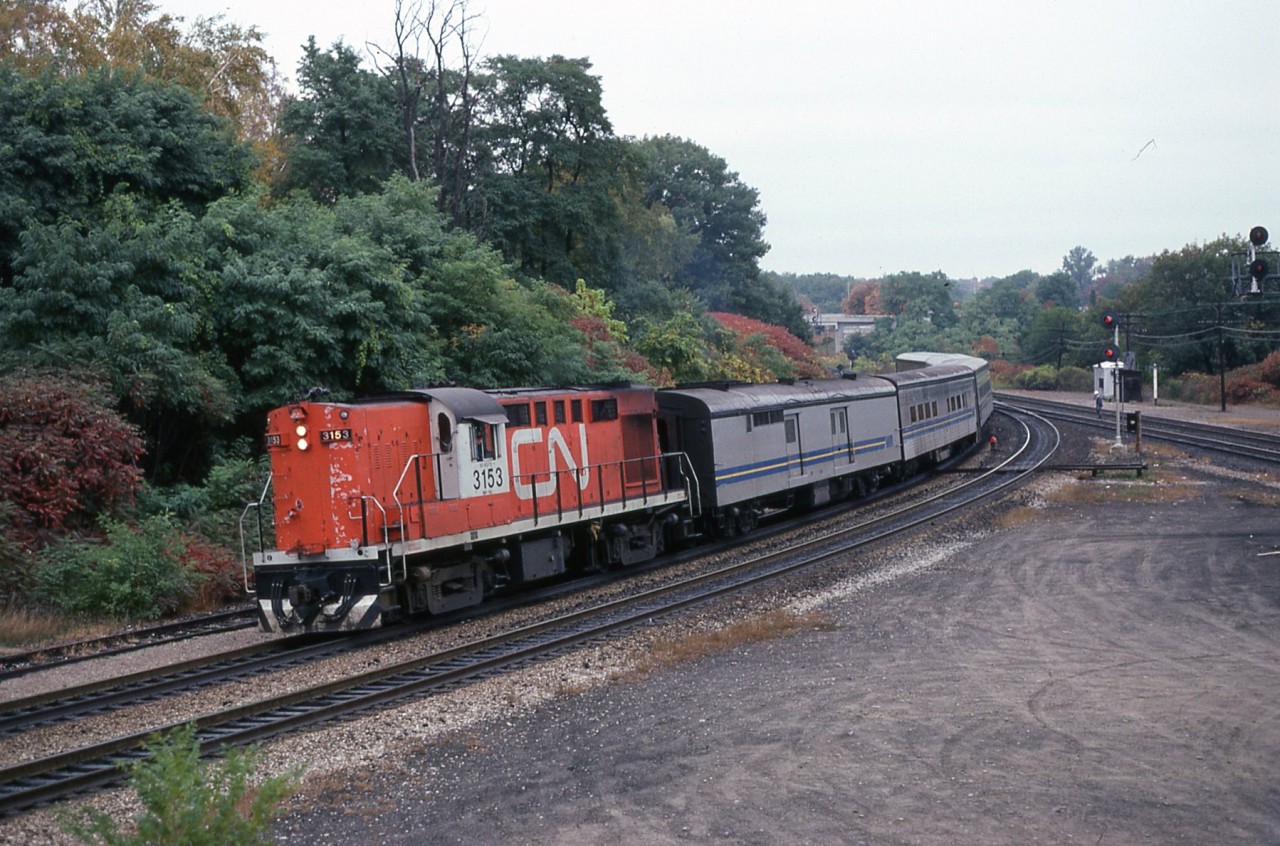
[[244, 553]]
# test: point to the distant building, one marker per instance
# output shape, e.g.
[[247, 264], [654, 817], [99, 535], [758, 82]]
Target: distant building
[[1104, 382], [836, 328]]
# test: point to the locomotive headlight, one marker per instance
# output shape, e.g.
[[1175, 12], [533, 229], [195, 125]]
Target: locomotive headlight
[[301, 431], [303, 443]]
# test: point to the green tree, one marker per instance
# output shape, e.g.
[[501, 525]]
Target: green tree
[[677, 345], [223, 63], [554, 169], [308, 297], [1057, 289], [340, 133], [827, 291], [125, 292], [1079, 264], [710, 202], [72, 143], [1179, 302], [1050, 338], [919, 297]]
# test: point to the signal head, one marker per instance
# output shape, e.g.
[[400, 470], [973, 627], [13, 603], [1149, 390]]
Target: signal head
[[1258, 236], [1258, 269], [1110, 353], [1110, 318]]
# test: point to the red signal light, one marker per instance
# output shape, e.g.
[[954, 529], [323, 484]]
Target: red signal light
[[1258, 236], [1258, 269], [1110, 353], [1110, 319]]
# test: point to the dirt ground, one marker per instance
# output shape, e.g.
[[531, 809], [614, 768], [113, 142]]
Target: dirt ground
[[1104, 671]]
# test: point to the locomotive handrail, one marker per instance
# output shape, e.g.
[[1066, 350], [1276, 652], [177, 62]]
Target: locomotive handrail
[[244, 552], [386, 537], [395, 492], [648, 483], [692, 492]]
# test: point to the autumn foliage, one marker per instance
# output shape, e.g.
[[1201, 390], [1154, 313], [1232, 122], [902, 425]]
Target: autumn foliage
[[770, 350], [65, 454]]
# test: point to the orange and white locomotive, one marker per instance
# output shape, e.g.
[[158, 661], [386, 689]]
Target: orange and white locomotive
[[430, 500]]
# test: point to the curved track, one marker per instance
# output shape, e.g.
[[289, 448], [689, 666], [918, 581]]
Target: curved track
[[39, 781], [1237, 442]]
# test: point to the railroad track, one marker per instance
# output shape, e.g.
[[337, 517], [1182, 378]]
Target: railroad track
[[17, 664], [40, 781], [1243, 443]]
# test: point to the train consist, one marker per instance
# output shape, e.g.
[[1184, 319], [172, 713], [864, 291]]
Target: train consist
[[429, 501]]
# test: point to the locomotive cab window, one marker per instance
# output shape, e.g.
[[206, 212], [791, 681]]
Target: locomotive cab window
[[445, 431], [559, 411], [575, 408], [483, 441], [540, 413]]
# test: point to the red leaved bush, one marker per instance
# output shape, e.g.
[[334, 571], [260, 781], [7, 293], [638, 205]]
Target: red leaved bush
[[219, 572], [1269, 369], [65, 454], [1003, 373], [800, 354]]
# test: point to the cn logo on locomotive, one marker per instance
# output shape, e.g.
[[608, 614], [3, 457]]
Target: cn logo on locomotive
[[556, 444]]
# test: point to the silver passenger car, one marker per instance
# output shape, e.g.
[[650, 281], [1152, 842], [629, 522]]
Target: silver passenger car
[[768, 444], [939, 409], [981, 375]]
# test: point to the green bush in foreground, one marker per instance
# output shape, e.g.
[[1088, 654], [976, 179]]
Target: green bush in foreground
[[189, 803]]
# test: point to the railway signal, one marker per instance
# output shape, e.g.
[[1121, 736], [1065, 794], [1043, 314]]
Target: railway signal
[[1258, 269], [1111, 321]]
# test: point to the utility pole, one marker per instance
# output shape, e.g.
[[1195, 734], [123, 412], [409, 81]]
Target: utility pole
[[1062, 343], [1222, 362]]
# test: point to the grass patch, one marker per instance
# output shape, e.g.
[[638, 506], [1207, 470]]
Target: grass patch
[[668, 651], [1123, 487], [1013, 518], [22, 629]]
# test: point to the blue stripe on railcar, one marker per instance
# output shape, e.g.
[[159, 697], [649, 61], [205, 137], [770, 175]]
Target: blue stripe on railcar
[[773, 466], [933, 424]]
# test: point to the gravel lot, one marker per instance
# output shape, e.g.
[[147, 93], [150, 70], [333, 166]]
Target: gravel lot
[[1097, 664]]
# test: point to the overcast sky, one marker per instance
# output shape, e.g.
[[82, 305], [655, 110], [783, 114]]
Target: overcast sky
[[978, 138]]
